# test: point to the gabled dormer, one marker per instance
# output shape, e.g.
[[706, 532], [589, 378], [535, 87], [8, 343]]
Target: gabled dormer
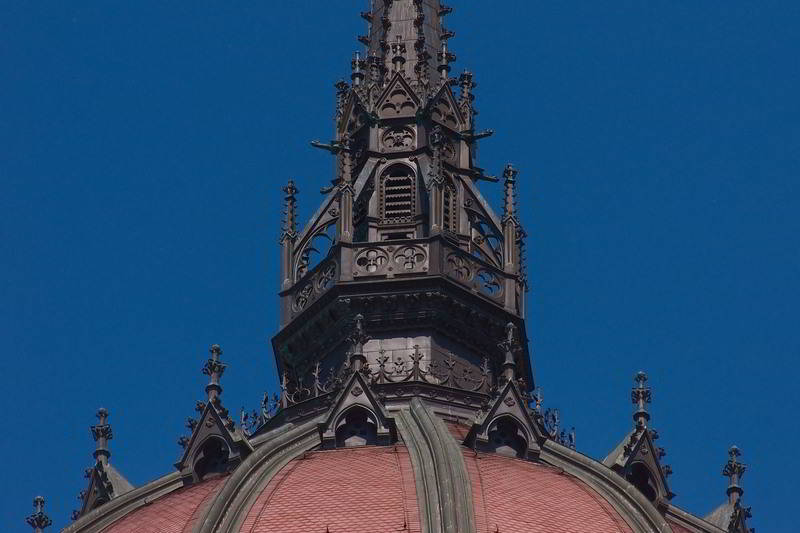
[[216, 446], [636, 457], [507, 425], [105, 481]]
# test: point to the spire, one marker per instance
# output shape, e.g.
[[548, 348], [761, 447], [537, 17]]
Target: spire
[[414, 24], [102, 434], [214, 368], [734, 470], [38, 520], [641, 396]]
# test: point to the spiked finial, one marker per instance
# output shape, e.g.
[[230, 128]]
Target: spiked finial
[[358, 338], [38, 520], [467, 98], [641, 396], [734, 470], [398, 54], [214, 368], [445, 58], [357, 66], [102, 433], [510, 174], [375, 68], [290, 211], [341, 98], [509, 346]]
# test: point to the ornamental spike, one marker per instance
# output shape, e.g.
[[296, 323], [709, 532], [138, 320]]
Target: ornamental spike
[[102, 433], [357, 338], [734, 470], [38, 520], [510, 174], [214, 368], [641, 395], [290, 211]]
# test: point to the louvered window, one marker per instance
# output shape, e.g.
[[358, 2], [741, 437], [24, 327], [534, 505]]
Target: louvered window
[[398, 191]]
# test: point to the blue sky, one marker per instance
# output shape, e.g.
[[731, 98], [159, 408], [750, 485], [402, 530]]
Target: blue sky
[[144, 143]]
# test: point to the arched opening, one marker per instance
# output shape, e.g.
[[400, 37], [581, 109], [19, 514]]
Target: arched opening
[[398, 196], [507, 438], [640, 476], [316, 250], [356, 428], [212, 459]]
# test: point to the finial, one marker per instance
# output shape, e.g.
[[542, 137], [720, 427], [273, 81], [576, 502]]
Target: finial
[[375, 68], [466, 84], [398, 54], [734, 470], [290, 211], [214, 368], [358, 338], [102, 434], [445, 58], [538, 398], [509, 346], [38, 520], [510, 174], [341, 97], [357, 65], [641, 396]]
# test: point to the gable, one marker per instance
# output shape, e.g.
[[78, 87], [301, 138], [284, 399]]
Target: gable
[[398, 100], [507, 422], [354, 116], [213, 434], [356, 397], [444, 110]]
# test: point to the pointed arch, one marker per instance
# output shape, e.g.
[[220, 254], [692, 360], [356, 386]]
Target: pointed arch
[[356, 426], [507, 437], [398, 195]]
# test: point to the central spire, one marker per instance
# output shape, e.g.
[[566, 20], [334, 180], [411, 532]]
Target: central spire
[[408, 35]]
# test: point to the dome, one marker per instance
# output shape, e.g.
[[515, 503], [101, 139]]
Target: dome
[[372, 489], [407, 394]]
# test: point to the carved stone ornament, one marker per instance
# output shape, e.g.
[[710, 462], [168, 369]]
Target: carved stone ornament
[[509, 424], [399, 139]]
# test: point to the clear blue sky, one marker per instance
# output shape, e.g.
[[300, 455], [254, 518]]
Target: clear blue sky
[[143, 145]]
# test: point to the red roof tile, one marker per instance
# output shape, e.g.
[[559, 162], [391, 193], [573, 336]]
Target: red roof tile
[[678, 529], [515, 496], [174, 513], [355, 490]]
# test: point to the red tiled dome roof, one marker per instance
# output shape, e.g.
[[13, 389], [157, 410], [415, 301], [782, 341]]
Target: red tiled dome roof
[[515, 496], [327, 489], [174, 513]]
